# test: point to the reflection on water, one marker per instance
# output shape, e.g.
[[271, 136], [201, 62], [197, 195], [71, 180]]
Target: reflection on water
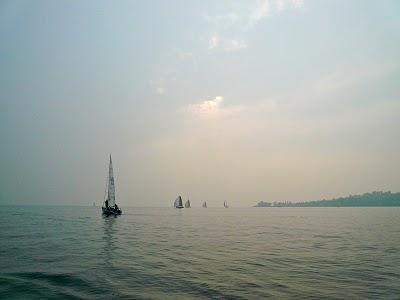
[[110, 239], [194, 253]]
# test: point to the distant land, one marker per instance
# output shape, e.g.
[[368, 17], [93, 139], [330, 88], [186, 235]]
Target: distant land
[[367, 199]]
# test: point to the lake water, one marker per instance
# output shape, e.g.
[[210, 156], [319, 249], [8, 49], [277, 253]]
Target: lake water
[[165, 253]]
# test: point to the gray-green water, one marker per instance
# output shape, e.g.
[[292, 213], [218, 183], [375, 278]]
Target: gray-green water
[[154, 253]]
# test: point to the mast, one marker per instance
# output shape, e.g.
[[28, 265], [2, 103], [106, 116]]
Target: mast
[[111, 185]]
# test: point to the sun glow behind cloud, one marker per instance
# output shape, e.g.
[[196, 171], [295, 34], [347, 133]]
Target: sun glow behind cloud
[[213, 108], [208, 106]]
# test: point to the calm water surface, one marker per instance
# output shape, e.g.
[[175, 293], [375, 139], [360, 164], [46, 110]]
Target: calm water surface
[[154, 253]]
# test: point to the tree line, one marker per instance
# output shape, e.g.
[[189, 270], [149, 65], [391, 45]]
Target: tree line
[[367, 199]]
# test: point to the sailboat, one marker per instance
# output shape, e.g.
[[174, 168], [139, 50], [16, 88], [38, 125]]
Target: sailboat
[[204, 204], [110, 207], [226, 204], [178, 202], [187, 204]]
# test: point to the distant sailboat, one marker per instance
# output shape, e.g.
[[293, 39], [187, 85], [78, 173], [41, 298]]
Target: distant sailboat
[[178, 202], [226, 204], [204, 204], [187, 204], [110, 207]]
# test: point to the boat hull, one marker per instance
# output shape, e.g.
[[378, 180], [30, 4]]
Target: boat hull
[[179, 206], [111, 211]]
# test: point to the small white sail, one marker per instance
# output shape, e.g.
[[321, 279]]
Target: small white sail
[[187, 204], [178, 202], [204, 204]]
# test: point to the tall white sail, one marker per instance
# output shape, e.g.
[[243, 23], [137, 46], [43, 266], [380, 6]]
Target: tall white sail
[[111, 185]]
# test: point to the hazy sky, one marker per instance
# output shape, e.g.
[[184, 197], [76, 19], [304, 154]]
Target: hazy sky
[[215, 100]]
